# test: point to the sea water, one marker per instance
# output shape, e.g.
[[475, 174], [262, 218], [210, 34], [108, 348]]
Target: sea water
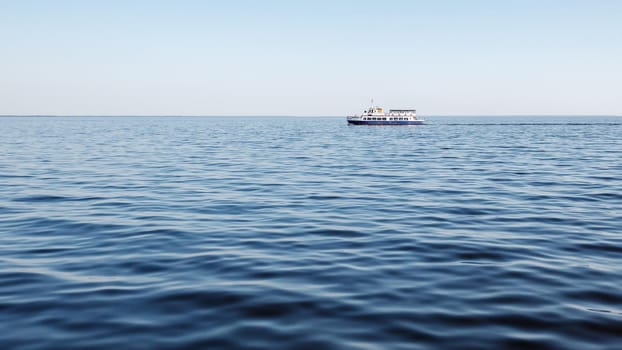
[[307, 233]]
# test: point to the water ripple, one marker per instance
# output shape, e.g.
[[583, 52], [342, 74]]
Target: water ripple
[[169, 232]]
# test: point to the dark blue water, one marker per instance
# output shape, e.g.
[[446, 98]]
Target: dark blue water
[[467, 233]]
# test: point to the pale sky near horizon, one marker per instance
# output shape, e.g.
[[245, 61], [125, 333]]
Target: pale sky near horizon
[[270, 57]]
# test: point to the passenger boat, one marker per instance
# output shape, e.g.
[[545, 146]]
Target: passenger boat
[[376, 116]]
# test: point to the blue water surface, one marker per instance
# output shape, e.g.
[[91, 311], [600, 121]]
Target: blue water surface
[[307, 233]]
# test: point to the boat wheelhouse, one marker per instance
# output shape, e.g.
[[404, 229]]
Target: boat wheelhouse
[[377, 116]]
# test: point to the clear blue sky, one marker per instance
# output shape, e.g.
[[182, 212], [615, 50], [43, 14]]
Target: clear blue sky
[[315, 57]]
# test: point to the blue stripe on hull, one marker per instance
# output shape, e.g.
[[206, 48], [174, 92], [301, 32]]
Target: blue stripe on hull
[[385, 122]]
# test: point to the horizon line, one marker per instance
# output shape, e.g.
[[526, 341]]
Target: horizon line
[[293, 116]]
